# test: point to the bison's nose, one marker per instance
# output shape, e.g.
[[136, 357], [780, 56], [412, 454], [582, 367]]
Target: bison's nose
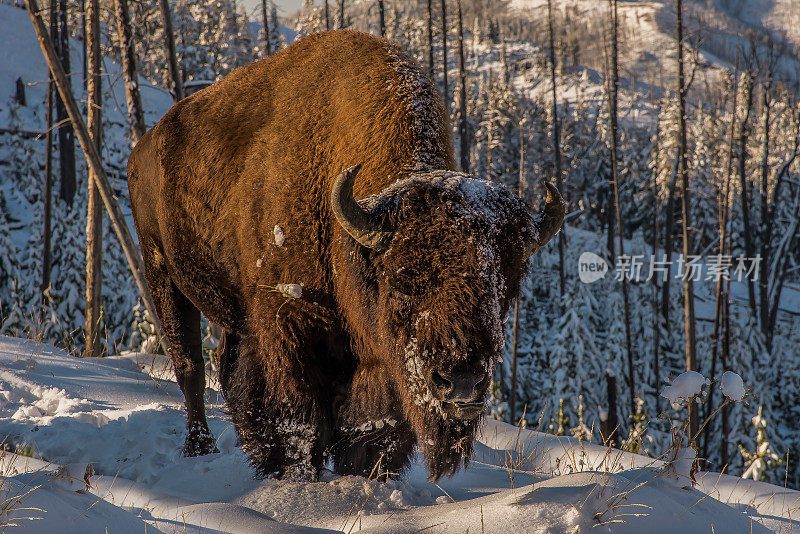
[[452, 386]]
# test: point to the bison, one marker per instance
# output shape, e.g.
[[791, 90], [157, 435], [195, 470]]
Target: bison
[[354, 330]]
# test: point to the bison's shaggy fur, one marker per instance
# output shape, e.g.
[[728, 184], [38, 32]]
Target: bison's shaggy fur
[[385, 348]]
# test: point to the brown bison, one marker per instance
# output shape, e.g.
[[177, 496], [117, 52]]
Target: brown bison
[[354, 330]]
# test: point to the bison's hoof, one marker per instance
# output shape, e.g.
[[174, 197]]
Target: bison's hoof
[[199, 441]]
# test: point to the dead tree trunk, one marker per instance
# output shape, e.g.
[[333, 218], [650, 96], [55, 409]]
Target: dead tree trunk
[[609, 428], [463, 132], [128, 54], [265, 26], [172, 58], [669, 236], [763, 299], [94, 216], [656, 315], [722, 211], [341, 14], [66, 135], [515, 329], [327, 17], [95, 164], [725, 361], [556, 144], [430, 41], [688, 283], [382, 17], [445, 88], [48, 166], [744, 131], [615, 177], [83, 35]]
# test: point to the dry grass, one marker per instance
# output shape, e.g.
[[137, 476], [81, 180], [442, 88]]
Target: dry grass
[[13, 496]]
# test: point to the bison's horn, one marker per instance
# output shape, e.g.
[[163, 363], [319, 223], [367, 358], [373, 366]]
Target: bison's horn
[[356, 221], [550, 221]]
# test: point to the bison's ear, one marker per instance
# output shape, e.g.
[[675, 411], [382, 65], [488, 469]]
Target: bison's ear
[[362, 226], [550, 221]]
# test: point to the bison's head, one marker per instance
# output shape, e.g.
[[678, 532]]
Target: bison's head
[[437, 259]]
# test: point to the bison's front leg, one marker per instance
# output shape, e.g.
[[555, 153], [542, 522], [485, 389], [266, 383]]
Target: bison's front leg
[[274, 405], [373, 437], [375, 448], [180, 321]]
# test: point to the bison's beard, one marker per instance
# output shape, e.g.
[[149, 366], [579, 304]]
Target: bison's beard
[[445, 442], [447, 445]]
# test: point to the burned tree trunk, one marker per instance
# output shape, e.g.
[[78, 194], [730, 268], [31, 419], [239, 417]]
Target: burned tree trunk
[[66, 139], [723, 205], [612, 99], [521, 193], [94, 216], [128, 54], [445, 89], [48, 166], [609, 427], [265, 26], [430, 40], [556, 143], [172, 58], [744, 131], [382, 17], [463, 132], [688, 283]]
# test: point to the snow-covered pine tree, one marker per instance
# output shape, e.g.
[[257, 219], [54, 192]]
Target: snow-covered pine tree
[[310, 19], [762, 462], [574, 352]]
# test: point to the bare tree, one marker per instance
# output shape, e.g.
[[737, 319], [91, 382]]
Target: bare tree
[[83, 36], [382, 17], [744, 194], [556, 142], [688, 283], [265, 25], [66, 135], [342, 17], [613, 105], [723, 204], [775, 256], [430, 40], [656, 314], [172, 58], [463, 132], [445, 89], [48, 165], [92, 154], [609, 427], [521, 182], [327, 17], [94, 217], [128, 53]]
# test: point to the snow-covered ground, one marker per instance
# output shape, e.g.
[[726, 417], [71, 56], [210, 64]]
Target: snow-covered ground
[[123, 415]]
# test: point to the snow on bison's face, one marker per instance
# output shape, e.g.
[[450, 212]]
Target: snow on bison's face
[[447, 254]]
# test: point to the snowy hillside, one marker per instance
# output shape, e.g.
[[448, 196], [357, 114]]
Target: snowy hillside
[[118, 415], [720, 29]]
